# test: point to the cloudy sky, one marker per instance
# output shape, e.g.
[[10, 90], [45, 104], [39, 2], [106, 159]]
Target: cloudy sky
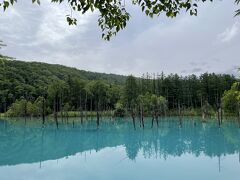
[[184, 45]]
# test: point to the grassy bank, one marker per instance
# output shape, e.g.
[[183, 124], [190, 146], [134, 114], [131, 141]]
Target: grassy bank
[[73, 114], [83, 114], [175, 112]]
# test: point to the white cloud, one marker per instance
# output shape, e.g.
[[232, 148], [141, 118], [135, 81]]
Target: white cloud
[[229, 33], [54, 27]]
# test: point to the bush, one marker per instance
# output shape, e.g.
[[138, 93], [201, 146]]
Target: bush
[[119, 110]]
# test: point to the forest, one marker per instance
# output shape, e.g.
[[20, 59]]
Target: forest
[[34, 89]]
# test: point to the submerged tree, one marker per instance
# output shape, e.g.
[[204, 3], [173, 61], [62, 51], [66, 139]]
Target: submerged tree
[[40, 104], [76, 94], [130, 96], [162, 106], [143, 104], [66, 108], [206, 110], [57, 93], [99, 89]]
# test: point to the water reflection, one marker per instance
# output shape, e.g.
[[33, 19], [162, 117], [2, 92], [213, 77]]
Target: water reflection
[[31, 143]]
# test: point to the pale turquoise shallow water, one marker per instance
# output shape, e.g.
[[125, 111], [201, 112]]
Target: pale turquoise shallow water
[[115, 151]]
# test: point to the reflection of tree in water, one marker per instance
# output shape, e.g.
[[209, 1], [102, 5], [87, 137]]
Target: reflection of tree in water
[[132, 145], [232, 136], [27, 143]]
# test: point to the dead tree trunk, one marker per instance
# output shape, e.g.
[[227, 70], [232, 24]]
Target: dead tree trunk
[[81, 109], [238, 111], [81, 115], [220, 111], [152, 120], [133, 119], [156, 117], [180, 115], [142, 118], [60, 106], [85, 108], [67, 117], [221, 114], [91, 105], [98, 116], [202, 108], [25, 112], [98, 121], [218, 116], [55, 110], [56, 123], [43, 111]]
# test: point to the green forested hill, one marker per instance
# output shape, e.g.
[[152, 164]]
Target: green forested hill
[[25, 85], [31, 79], [31, 72]]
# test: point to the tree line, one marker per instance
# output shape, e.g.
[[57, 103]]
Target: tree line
[[38, 89]]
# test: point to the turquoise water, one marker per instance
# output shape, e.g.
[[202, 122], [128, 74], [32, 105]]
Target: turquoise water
[[116, 151]]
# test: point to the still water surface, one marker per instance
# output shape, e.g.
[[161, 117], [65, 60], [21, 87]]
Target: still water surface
[[116, 151]]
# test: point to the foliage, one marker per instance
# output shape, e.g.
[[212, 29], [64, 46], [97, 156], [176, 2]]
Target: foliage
[[40, 104], [19, 108], [231, 99], [99, 91], [32, 79], [162, 105], [66, 107], [237, 11], [33, 89], [119, 109]]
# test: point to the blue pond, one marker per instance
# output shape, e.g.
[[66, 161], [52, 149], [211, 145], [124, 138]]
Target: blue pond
[[116, 151]]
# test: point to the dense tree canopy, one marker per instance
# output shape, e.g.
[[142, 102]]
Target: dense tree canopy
[[231, 99], [113, 14], [54, 88]]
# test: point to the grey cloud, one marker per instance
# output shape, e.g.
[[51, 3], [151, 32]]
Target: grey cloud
[[184, 71], [192, 71], [197, 70], [182, 45], [233, 71], [217, 60], [203, 63]]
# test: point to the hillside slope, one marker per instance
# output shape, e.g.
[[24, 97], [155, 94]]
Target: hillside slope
[[31, 79], [28, 71]]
